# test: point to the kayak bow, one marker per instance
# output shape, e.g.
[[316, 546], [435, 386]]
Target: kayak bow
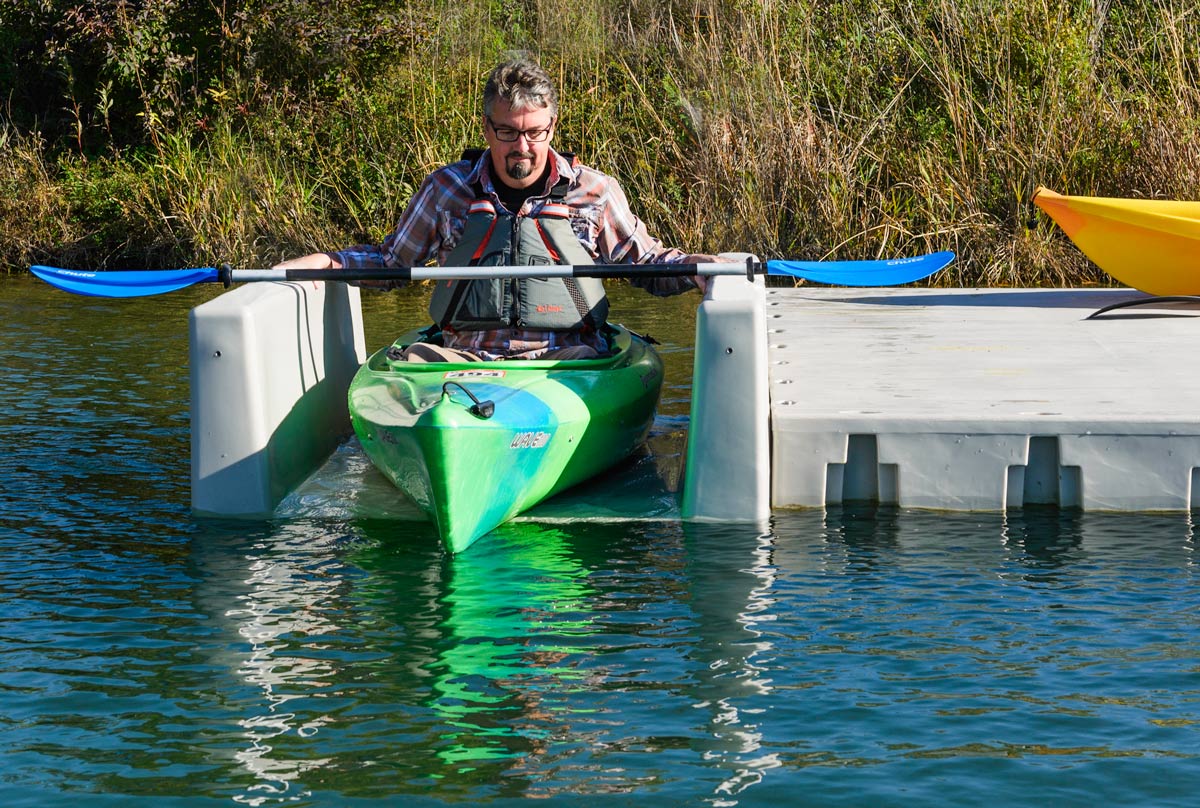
[[1149, 244]]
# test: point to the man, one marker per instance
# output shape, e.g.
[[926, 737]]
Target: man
[[517, 203]]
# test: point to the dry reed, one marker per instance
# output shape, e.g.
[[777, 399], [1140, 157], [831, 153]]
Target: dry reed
[[811, 128]]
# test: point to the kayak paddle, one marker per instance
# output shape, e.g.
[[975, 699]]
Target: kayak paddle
[[138, 283]]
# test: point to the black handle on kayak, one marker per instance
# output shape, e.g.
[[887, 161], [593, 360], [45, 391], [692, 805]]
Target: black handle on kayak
[[480, 409]]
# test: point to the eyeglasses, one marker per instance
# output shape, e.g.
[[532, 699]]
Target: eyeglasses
[[506, 134]]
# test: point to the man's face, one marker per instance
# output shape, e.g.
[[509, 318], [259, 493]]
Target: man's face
[[518, 163]]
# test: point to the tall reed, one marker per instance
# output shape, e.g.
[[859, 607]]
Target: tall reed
[[797, 128]]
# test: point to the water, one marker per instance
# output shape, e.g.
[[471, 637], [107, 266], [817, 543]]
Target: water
[[333, 656]]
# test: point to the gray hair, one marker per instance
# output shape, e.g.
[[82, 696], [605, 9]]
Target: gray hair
[[523, 84]]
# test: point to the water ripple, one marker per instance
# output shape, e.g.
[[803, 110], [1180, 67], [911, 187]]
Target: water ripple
[[333, 655]]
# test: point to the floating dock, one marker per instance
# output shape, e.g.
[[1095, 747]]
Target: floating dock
[[955, 399], [982, 399]]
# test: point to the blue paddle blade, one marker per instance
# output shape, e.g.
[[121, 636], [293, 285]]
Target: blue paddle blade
[[864, 273], [124, 283]]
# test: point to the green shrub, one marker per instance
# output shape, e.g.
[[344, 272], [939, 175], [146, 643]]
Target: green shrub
[[185, 131]]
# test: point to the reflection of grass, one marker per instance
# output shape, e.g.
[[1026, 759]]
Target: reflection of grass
[[802, 129]]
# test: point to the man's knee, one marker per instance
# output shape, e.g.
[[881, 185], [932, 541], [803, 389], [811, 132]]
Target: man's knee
[[572, 352], [424, 352]]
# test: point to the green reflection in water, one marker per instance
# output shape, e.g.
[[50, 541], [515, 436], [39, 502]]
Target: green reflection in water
[[509, 617]]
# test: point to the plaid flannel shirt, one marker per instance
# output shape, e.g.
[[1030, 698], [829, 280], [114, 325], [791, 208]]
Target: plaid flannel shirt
[[433, 223]]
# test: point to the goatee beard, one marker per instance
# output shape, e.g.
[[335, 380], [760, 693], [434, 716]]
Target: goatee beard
[[517, 166]]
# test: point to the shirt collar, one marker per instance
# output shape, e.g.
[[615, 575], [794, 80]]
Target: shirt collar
[[482, 172]]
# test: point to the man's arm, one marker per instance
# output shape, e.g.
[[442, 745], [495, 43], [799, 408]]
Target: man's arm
[[319, 260], [623, 238]]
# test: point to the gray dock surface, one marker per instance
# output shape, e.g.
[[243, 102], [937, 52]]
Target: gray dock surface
[[970, 399]]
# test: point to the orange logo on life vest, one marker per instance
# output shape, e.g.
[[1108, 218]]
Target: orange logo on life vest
[[546, 308]]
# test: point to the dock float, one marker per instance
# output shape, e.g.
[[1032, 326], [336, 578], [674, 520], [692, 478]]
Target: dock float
[[982, 399], [952, 399]]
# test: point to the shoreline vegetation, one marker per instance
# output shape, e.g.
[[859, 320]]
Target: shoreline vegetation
[[172, 133]]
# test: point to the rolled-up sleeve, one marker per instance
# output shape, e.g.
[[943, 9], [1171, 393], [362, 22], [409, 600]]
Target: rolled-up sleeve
[[416, 240], [624, 239]]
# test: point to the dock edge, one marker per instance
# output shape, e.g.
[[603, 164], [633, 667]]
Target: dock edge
[[269, 367], [727, 474]]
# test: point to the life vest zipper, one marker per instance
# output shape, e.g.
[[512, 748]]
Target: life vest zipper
[[514, 244]]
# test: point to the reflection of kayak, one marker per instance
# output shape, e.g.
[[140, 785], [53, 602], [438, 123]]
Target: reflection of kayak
[[1149, 244], [476, 443], [516, 629]]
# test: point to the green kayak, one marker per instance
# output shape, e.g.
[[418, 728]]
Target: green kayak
[[476, 443]]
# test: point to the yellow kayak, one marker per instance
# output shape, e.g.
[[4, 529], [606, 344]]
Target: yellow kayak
[[1149, 244]]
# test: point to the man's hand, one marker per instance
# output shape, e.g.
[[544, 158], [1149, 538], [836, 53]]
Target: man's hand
[[311, 261], [702, 281]]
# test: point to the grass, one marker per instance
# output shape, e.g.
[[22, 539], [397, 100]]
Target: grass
[[789, 129]]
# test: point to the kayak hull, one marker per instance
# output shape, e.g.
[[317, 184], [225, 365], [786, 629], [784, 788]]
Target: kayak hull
[[553, 424], [1148, 244]]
